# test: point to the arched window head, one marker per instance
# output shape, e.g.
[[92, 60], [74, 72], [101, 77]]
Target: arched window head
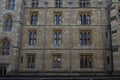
[[8, 23], [5, 47]]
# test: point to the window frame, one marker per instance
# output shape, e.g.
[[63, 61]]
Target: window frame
[[57, 41], [87, 37], [3, 71], [31, 63], [84, 3], [6, 45], [58, 3], [85, 18], [34, 19], [34, 3], [58, 18], [11, 4], [8, 23], [84, 61], [32, 37], [57, 61]]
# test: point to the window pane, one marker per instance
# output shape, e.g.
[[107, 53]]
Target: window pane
[[81, 35], [80, 19], [30, 42], [10, 27], [60, 20], [59, 42], [55, 42], [6, 25], [8, 45], [33, 59], [84, 19], [30, 37], [34, 42], [85, 35], [81, 62], [88, 19], [35, 35], [36, 19], [55, 35], [89, 35], [81, 42], [59, 35], [13, 5], [81, 39]]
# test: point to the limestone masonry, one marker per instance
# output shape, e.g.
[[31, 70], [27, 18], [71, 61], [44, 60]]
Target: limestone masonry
[[59, 36]]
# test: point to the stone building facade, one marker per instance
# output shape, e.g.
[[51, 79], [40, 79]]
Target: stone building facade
[[115, 18], [10, 26], [58, 37]]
